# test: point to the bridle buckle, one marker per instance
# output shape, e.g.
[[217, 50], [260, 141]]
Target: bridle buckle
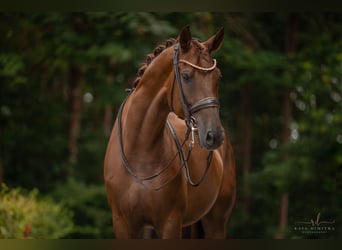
[[193, 127]]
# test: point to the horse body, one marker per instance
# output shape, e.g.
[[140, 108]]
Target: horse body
[[149, 147]]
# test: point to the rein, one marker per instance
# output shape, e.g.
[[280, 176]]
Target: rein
[[208, 102]]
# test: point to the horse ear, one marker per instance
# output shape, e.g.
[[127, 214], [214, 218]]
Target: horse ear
[[214, 43], [185, 38]]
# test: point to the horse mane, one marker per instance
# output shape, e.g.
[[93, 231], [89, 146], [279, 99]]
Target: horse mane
[[149, 58]]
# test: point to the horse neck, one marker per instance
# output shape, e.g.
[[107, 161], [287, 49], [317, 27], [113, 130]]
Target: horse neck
[[147, 109]]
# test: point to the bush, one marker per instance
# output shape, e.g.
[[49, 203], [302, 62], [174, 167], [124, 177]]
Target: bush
[[24, 215], [88, 202]]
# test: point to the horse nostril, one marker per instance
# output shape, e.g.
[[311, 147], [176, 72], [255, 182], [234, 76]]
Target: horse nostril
[[210, 138], [213, 138]]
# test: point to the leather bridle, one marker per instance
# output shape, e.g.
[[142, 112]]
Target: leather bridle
[[207, 102]]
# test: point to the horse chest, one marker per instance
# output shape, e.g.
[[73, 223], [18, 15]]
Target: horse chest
[[202, 198]]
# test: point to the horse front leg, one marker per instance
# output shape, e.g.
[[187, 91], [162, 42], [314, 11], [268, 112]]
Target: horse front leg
[[194, 231], [214, 223], [123, 229], [171, 229], [214, 228]]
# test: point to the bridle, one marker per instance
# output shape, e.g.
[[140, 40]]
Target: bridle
[[208, 102]]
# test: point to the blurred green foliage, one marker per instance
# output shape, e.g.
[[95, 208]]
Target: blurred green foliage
[[92, 218], [26, 215]]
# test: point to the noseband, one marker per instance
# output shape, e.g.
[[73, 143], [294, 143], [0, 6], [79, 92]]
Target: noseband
[[208, 102]]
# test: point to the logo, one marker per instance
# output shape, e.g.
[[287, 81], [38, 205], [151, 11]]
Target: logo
[[315, 226]]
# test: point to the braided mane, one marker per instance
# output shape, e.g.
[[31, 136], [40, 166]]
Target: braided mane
[[149, 58]]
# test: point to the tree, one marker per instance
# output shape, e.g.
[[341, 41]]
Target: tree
[[290, 50]]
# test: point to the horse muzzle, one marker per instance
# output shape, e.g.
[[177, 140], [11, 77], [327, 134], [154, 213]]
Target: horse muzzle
[[212, 139], [210, 134]]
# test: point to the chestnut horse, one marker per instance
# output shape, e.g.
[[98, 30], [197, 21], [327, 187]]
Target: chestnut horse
[[169, 163]]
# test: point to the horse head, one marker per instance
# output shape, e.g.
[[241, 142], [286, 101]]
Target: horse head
[[193, 93]]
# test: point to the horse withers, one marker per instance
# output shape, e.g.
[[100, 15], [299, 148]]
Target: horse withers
[[169, 163]]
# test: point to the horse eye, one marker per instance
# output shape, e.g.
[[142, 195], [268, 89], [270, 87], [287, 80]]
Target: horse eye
[[186, 77]]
